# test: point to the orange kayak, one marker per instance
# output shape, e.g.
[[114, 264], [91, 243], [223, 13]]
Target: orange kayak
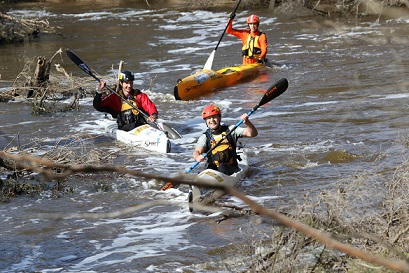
[[206, 81]]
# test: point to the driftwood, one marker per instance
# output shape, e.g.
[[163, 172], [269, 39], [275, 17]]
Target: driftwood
[[15, 30], [41, 75], [42, 72], [46, 87], [8, 163]]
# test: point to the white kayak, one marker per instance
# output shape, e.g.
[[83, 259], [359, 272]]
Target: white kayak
[[144, 136], [203, 196]]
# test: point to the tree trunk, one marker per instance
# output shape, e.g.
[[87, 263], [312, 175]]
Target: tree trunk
[[42, 72], [41, 76]]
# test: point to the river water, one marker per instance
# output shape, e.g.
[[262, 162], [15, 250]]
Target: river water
[[344, 113]]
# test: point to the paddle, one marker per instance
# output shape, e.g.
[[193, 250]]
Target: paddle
[[270, 64], [209, 62], [170, 132], [274, 91]]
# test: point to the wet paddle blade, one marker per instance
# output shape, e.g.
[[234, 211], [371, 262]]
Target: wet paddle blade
[[209, 62], [170, 132], [77, 60], [81, 64]]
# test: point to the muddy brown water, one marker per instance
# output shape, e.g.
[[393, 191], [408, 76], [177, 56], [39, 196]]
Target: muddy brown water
[[346, 105]]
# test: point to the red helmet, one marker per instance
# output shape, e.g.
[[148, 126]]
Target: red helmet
[[211, 110], [253, 19]]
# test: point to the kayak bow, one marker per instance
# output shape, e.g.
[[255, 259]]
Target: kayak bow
[[203, 196], [144, 136]]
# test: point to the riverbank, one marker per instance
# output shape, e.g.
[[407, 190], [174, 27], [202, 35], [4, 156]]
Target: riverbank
[[328, 8]]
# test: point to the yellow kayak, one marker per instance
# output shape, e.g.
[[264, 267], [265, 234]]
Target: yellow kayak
[[207, 81]]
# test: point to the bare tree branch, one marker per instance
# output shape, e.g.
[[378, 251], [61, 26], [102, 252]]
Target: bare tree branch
[[48, 167]]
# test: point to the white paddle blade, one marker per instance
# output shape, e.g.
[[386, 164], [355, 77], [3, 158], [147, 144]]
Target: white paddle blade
[[209, 62]]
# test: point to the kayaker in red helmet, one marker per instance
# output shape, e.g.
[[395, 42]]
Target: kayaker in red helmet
[[254, 49], [223, 158]]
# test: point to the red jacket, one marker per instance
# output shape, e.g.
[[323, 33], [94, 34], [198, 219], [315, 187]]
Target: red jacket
[[111, 103]]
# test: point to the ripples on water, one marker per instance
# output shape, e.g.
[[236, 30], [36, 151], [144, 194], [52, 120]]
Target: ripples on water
[[345, 105]]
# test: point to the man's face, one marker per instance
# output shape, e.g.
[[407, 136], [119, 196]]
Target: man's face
[[213, 122], [127, 87], [253, 27]]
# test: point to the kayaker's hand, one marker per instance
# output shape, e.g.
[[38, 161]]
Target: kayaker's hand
[[250, 130], [101, 86], [200, 158], [153, 118], [260, 61], [244, 118], [232, 15]]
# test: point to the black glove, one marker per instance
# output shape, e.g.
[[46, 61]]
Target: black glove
[[232, 15], [260, 61]]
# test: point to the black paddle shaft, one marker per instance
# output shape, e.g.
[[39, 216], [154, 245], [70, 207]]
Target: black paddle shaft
[[273, 92], [84, 67], [237, 6]]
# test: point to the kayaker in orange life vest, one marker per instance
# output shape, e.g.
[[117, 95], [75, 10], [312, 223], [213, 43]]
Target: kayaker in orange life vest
[[254, 49], [127, 117], [223, 158]]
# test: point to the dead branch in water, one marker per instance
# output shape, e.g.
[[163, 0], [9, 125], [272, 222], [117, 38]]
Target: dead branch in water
[[17, 30], [47, 88]]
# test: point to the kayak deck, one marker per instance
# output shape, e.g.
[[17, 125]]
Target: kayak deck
[[144, 136], [203, 196]]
